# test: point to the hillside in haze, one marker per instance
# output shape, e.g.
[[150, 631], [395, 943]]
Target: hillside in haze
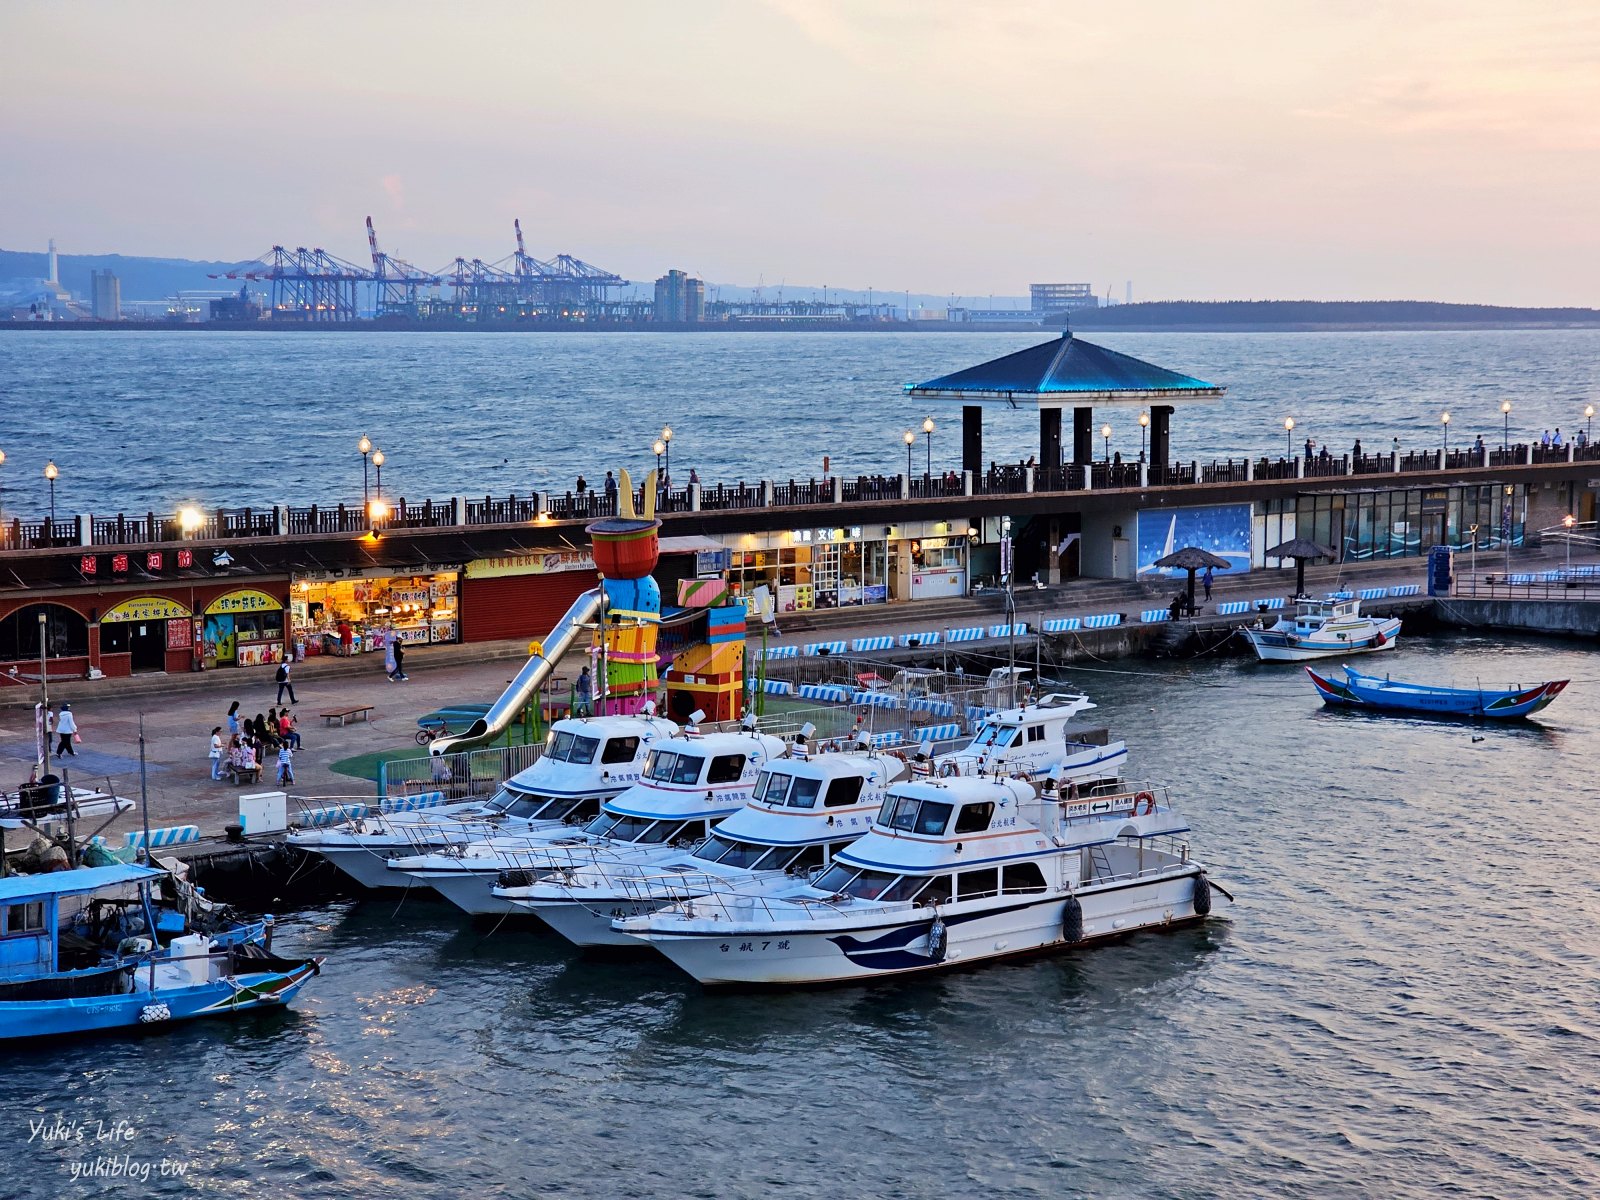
[[141, 278], [1224, 314]]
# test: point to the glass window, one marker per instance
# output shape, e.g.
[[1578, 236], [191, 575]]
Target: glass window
[[1036, 733], [557, 745], [713, 848], [726, 768], [843, 792], [971, 884], [524, 807], [621, 750], [602, 825], [664, 831], [772, 787], [805, 792], [583, 750], [659, 764], [25, 918], [869, 885], [938, 891], [66, 633], [687, 769], [835, 877], [505, 798], [898, 812], [778, 858], [933, 817], [907, 887], [974, 818], [807, 858], [1023, 877], [561, 807]]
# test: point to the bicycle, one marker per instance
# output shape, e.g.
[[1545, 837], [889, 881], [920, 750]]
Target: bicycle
[[429, 733]]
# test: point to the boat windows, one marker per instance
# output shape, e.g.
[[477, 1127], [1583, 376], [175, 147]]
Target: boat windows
[[602, 825], [972, 884], [621, 750], [663, 766], [938, 891], [1036, 733], [1023, 877], [643, 830], [666, 831], [502, 800], [523, 806], [807, 860], [725, 768], [779, 858], [911, 815], [835, 877], [804, 793], [974, 818], [869, 885], [687, 769], [997, 736], [772, 787], [843, 792], [569, 747], [907, 887], [24, 918], [561, 807]]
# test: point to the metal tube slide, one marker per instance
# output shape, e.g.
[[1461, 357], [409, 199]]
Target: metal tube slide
[[524, 687]]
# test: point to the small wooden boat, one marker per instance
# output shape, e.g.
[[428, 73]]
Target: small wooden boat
[[1368, 691]]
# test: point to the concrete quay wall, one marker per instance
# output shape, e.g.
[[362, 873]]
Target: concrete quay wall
[[1570, 618]]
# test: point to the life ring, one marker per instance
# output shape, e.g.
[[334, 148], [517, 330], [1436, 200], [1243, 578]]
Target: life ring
[[1149, 802]]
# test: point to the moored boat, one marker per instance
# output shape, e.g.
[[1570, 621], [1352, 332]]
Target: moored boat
[[1326, 628], [1356, 690], [1037, 737]]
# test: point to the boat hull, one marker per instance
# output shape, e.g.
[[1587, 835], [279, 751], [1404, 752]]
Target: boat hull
[[834, 954], [1272, 645], [1382, 695], [470, 891], [588, 922]]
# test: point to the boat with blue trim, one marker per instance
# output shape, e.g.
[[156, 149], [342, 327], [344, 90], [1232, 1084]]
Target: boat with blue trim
[[1356, 690], [806, 809], [1036, 737], [58, 977], [953, 872], [1326, 628], [687, 784], [586, 761]]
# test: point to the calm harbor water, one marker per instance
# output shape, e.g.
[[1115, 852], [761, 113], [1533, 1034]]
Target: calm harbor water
[[150, 420], [1401, 1004]]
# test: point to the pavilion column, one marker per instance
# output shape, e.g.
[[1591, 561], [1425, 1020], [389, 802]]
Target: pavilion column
[[972, 439], [1050, 437], [1082, 436], [1160, 434]]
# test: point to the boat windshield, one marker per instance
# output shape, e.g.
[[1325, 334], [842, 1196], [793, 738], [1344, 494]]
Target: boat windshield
[[572, 748], [910, 815], [851, 881], [664, 766], [750, 856], [998, 736], [646, 831], [772, 787]]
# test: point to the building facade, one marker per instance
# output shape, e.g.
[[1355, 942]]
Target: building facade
[[106, 296], [680, 299]]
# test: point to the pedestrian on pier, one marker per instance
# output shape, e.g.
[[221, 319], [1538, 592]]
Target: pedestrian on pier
[[611, 486], [1556, 442], [284, 683], [1355, 451], [216, 752], [583, 693], [1477, 446], [67, 732], [694, 477], [1545, 441], [1311, 447], [397, 655], [233, 719], [583, 485], [1206, 578], [1397, 444]]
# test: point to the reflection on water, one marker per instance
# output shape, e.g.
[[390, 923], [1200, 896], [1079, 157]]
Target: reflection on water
[[1401, 999]]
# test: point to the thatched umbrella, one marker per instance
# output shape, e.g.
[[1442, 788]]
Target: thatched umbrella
[[1192, 559], [1301, 549]]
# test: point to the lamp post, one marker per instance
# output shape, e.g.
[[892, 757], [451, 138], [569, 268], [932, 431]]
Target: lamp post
[[190, 518], [1288, 437], [910, 440], [660, 448], [1473, 529], [1505, 528], [2, 506], [1105, 434], [1569, 521], [1588, 436], [927, 428], [1144, 430], [377, 462], [1505, 435], [51, 471], [365, 446], [1444, 420], [666, 440]]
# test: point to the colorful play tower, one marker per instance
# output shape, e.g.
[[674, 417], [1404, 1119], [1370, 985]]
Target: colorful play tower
[[707, 636]]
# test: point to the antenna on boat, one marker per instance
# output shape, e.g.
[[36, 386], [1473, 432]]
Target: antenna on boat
[[1007, 566], [144, 797]]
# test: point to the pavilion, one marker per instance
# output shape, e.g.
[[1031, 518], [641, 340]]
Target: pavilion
[[1056, 375]]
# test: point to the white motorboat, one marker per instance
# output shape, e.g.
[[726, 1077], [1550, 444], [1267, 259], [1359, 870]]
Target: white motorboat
[[954, 872], [1039, 737], [805, 810], [688, 783], [586, 761], [1325, 628]]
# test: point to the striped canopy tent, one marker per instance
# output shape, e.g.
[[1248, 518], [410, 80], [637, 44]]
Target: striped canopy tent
[[1066, 373]]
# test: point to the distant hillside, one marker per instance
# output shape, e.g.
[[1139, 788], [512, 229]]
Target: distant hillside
[[1223, 314], [141, 278]]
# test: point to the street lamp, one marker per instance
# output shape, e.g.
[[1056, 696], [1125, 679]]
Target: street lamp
[[377, 461], [1144, 429], [190, 518], [2, 463], [910, 440], [1473, 529], [1569, 521], [666, 440], [1588, 415], [927, 428], [365, 446], [1444, 419], [1505, 527], [377, 510], [1505, 436], [51, 471], [660, 448], [1105, 432], [1288, 437]]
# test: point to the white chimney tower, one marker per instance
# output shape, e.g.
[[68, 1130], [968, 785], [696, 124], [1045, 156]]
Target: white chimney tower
[[54, 278]]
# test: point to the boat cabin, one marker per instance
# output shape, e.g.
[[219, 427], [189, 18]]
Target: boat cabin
[[31, 929], [1313, 614]]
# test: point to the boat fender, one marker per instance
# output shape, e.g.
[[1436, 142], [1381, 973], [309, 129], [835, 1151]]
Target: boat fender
[[151, 1013], [938, 940], [1072, 921], [1202, 895], [1379, 640]]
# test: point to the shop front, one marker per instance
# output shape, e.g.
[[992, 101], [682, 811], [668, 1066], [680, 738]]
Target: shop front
[[523, 595], [808, 569], [242, 628], [366, 608], [146, 634]]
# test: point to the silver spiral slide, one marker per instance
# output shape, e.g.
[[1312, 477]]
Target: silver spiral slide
[[526, 685]]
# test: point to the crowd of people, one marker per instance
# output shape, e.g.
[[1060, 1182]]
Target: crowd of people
[[240, 749]]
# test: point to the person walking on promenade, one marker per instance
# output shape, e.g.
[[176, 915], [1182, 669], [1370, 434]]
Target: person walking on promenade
[[397, 648], [216, 752], [583, 694], [284, 682], [67, 732], [611, 486], [583, 485], [233, 719], [1206, 579], [694, 477]]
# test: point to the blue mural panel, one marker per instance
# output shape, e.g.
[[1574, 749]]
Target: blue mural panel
[[1223, 529]]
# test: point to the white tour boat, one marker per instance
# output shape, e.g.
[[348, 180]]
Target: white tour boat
[[1324, 628], [805, 810], [586, 760], [1039, 737], [954, 872], [688, 783]]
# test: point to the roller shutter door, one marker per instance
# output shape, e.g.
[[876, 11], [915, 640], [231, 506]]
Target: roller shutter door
[[519, 606]]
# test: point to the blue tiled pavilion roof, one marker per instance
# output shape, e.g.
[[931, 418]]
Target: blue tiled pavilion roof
[[1068, 365]]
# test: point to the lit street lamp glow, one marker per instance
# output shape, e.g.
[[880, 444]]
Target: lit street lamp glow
[[1288, 437]]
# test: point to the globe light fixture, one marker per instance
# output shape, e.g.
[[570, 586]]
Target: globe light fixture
[[52, 472], [190, 519], [910, 440], [1505, 435], [927, 429], [377, 462], [1105, 433], [1288, 437], [365, 446]]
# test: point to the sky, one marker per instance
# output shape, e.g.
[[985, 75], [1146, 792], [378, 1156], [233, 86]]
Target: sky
[[1229, 150]]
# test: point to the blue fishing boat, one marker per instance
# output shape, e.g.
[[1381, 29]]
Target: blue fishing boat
[[56, 977], [1388, 695]]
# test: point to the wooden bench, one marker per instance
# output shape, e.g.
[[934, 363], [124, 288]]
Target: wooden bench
[[244, 775], [359, 712]]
